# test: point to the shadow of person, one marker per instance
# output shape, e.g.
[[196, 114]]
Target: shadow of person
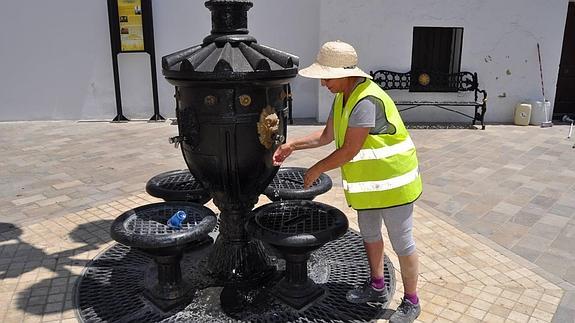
[[9, 229], [17, 257], [56, 294]]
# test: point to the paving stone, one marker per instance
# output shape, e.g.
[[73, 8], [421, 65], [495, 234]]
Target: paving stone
[[527, 253], [554, 220], [496, 217], [28, 200], [562, 210], [545, 230], [506, 208], [564, 315], [491, 182], [525, 217], [553, 264]]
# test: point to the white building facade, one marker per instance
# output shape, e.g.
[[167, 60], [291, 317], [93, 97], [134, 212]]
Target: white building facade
[[55, 57]]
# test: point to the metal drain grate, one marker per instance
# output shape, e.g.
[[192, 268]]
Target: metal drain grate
[[183, 181], [177, 185], [288, 185], [152, 221], [295, 219], [290, 180], [110, 289]]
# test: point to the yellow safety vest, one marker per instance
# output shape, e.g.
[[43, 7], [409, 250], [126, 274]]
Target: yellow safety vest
[[385, 172]]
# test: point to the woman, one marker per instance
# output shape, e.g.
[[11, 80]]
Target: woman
[[379, 169]]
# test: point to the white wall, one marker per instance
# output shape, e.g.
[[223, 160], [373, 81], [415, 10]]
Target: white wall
[[500, 44], [55, 60]]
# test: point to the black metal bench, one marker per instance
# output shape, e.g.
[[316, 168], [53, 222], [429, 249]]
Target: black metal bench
[[436, 82]]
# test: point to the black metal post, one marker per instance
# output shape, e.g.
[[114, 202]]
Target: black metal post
[[115, 45], [151, 49], [119, 116]]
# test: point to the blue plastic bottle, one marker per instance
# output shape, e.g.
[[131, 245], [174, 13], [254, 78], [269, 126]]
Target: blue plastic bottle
[[175, 222]]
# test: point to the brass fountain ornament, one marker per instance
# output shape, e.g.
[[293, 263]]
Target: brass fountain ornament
[[268, 127]]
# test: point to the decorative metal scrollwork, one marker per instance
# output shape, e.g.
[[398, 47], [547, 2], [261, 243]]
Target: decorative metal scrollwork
[[430, 81], [466, 81], [389, 80]]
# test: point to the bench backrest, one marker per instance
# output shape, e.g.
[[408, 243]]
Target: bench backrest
[[428, 82]]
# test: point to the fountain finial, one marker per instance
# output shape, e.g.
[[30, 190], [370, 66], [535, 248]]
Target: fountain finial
[[229, 16]]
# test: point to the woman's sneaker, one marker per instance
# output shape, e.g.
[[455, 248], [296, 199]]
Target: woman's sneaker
[[366, 293], [407, 312]]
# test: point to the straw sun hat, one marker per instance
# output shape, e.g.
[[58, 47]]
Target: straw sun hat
[[335, 59]]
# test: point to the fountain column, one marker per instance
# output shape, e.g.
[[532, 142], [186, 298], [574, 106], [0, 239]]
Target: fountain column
[[232, 114]]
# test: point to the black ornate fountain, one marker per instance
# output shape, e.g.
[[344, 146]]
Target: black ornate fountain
[[231, 108], [232, 97]]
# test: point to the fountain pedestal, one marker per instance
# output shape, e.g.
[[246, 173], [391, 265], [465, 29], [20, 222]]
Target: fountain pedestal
[[295, 229], [145, 228]]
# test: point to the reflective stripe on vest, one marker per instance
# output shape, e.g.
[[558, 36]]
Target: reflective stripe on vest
[[384, 185], [384, 152], [385, 172]]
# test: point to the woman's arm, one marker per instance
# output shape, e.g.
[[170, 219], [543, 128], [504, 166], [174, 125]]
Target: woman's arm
[[354, 139], [316, 139]]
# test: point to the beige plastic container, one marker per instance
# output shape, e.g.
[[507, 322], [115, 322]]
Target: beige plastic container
[[522, 114]]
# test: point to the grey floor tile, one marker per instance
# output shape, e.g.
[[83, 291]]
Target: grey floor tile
[[553, 264], [525, 217], [564, 315], [526, 253]]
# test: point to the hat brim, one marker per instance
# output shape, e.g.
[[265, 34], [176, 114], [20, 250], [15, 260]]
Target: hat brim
[[318, 71]]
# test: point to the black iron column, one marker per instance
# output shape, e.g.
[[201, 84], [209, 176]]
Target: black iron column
[[236, 258], [169, 285], [232, 114]]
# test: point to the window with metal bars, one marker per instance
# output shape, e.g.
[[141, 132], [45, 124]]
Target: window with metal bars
[[436, 57]]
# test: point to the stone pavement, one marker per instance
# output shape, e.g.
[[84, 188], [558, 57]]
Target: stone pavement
[[495, 225]]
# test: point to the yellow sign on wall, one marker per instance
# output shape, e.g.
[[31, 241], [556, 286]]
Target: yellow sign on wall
[[131, 29]]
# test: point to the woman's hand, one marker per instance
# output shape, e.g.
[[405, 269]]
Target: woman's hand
[[281, 153], [310, 176]]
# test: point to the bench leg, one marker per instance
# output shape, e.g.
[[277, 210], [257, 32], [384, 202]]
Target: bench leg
[[483, 109], [475, 116]]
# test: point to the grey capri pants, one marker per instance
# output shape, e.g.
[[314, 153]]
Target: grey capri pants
[[399, 223]]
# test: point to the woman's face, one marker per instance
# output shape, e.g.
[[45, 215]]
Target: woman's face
[[334, 85]]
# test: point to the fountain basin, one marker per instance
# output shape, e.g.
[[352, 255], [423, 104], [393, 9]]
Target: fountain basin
[[145, 228], [288, 185]]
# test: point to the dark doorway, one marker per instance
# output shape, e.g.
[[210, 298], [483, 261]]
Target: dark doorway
[[436, 50], [565, 96]]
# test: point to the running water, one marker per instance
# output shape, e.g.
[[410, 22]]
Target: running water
[[277, 195]]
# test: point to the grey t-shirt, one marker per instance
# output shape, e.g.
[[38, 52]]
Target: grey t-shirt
[[369, 113]]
